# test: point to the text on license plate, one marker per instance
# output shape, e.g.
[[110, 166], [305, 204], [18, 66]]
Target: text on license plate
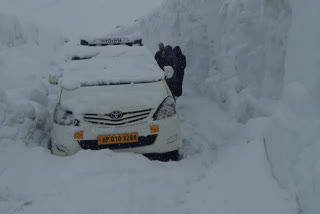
[[118, 138]]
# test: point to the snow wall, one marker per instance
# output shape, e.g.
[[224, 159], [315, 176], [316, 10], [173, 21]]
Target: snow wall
[[293, 139], [10, 35], [235, 49], [23, 91], [255, 58]]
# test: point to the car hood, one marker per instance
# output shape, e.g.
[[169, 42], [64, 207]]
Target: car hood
[[105, 99]]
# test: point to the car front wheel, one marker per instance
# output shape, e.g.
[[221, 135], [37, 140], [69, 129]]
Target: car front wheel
[[165, 157]]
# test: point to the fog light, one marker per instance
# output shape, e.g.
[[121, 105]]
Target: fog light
[[154, 129], [78, 135], [172, 139]]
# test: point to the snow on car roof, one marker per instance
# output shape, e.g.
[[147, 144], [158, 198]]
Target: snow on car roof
[[89, 66]]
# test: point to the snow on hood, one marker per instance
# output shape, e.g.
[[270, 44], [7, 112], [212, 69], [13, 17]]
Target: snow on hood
[[105, 99], [109, 65]]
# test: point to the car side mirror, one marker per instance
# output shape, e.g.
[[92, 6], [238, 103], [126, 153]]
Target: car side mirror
[[168, 70], [54, 78]]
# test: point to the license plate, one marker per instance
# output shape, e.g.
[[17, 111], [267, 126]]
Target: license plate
[[118, 139]]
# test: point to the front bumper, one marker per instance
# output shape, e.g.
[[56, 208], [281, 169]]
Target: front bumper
[[93, 144], [166, 140]]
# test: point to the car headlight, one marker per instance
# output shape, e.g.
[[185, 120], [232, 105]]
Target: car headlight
[[166, 109], [62, 115]]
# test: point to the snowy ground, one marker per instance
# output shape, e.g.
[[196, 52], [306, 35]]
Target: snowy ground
[[210, 179], [224, 169]]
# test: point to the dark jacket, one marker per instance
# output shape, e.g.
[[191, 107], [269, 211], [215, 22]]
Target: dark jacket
[[180, 66], [160, 58]]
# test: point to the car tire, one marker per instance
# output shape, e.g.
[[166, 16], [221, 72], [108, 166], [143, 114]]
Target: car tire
[[50, 145], [164, 157]]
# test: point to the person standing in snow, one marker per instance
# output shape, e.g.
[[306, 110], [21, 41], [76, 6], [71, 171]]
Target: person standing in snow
[[180, 66], [171, 60], [160, 56]]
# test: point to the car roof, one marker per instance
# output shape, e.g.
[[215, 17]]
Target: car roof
[[107, 65]]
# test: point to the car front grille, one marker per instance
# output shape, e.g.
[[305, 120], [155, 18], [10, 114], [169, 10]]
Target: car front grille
[[127, 118]]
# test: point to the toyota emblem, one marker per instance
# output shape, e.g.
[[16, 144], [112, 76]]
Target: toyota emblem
[[116, 115]]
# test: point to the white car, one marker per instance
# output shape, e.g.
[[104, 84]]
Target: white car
[[115, 97]]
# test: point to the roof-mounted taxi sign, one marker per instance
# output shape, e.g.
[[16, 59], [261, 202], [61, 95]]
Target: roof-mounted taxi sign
[[111, 41]]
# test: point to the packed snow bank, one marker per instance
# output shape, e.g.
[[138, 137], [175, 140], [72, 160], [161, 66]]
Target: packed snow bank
[[26, 57], [23, 117], [235, 48], [293, 139]]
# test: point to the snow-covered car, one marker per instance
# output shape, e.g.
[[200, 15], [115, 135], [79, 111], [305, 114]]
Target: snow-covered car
[[114, 96]]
